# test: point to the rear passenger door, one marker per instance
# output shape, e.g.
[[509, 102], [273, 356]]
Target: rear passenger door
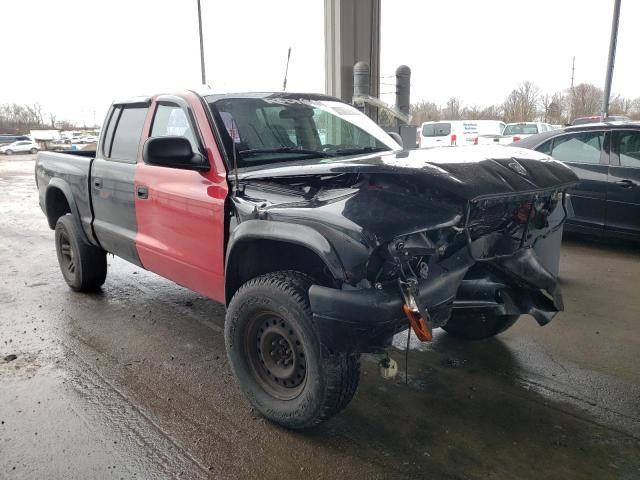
[[623, 190], [587, 155], [112, 179]]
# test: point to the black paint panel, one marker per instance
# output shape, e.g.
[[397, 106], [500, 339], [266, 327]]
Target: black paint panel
[[114, 211]]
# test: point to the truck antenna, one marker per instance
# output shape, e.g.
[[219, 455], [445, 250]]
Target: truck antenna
[[286, 72]]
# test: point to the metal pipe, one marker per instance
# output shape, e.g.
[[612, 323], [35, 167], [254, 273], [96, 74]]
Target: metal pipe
[[612, 58], [361, 79], [403, 87], [204, 79]]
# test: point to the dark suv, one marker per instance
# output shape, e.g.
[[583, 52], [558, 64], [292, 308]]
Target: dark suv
[[606, 158]]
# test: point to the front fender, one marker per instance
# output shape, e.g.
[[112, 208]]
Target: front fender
[[290, 233]]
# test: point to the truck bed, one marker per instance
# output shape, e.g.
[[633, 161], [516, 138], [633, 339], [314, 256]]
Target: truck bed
[[67, 173]]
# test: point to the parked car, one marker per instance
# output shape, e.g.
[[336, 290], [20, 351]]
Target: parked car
[[598, 119], [321, 249], [456, 132], [21, 146], [606, 158], [7, 139]]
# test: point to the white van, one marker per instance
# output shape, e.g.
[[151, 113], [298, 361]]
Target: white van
[[456, 132]]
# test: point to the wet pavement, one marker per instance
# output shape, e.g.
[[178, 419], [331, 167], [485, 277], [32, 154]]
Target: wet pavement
[[133, 382]]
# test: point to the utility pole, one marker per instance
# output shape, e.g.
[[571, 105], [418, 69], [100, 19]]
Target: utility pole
[[204, 79], [612, 58], [573, 71]]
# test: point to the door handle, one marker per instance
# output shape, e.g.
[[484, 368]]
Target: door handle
[[626, 183], [143, 192], [97, 182]]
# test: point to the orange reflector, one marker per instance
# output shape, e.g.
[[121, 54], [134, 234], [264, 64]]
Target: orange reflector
[[419, 325]]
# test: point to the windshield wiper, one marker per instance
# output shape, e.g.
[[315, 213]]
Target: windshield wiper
[[303, 151], [350, 151]]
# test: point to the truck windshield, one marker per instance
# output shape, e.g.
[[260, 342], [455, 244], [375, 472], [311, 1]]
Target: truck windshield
[[281, 128]]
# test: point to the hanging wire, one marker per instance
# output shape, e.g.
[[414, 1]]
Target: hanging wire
[[406, 358]]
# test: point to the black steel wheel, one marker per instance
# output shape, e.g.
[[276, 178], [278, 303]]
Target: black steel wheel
[[275, 352]]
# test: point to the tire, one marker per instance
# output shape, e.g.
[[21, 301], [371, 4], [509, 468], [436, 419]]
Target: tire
[[83, 266], [478, 328], [8, 152], [33, 151], [298, 385]]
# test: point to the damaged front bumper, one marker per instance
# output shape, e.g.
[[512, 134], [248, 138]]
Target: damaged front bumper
[[365, 320]]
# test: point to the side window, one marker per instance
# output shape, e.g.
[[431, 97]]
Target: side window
[[629, 148], [545, 148], [429, 130], [579, 148], [108, 137], [126, 137], [171, 120]]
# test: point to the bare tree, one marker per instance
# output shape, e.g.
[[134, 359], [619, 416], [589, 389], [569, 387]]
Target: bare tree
[[522, 103], [586, 100], [553, 108], [635, 109], [453, 110], [619, 105], [424, 112], [15, 118]]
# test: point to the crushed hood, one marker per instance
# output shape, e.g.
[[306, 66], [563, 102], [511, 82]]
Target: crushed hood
[[470, 173]]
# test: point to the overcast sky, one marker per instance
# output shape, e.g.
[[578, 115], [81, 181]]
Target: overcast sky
[[76, 56]]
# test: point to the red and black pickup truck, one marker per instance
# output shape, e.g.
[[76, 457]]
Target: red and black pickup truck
[[318, 232]]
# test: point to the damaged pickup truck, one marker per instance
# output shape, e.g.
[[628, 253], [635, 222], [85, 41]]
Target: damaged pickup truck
[[322, 237]]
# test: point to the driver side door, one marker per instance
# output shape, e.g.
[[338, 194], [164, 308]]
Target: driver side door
[[180, 212]]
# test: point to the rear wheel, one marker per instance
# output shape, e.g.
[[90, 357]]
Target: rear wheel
[[33, 150], [275, 353], [478, 328], [9, 152], [83, 266]]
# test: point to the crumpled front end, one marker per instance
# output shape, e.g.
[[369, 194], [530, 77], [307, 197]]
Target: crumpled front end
[[484, 265]]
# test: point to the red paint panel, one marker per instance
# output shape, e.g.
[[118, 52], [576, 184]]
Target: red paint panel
[[181, 223]]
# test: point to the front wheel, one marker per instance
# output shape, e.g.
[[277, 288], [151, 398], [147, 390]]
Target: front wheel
[[33, 151], [8, 152], [83, 266], [274, 350], [480, 327]]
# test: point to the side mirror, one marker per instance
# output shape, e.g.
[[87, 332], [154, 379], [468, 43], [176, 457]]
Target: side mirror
[[172, 152]]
